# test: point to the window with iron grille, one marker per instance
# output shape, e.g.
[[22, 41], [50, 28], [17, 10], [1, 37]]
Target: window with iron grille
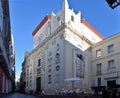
[[99, 67], [110, 48], [99, 81], [111, 64], [98, 53]]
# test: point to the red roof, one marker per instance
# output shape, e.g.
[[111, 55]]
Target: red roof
[[82, 21], [91, 28], [41, 24]]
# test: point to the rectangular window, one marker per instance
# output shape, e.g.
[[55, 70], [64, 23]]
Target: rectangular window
[[111, 64], [30, 83], [30, 77], [110, 48], [98, 53], [27, 83], [99, 81], [39, 62], [30, 71], [49, 79], [27, 71], [99, 67]]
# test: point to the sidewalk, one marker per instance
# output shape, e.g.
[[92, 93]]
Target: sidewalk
[[63, 96], [3, 94]]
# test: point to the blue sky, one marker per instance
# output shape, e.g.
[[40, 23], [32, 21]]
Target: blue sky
[[25, 16]]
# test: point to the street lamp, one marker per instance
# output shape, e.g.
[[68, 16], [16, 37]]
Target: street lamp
[[113, 3]]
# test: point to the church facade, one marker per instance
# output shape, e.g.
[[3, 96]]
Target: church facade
[[64, 49]]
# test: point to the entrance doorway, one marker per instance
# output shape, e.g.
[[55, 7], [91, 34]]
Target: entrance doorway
[[38, 84], [111, 84]]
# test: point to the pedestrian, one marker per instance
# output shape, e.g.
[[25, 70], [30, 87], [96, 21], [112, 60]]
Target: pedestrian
[[42, 93], [118, 91]]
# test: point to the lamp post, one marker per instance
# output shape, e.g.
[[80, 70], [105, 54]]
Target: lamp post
[[113, 3]]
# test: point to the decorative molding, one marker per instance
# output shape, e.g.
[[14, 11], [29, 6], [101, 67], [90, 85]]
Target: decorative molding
[[111, 75]]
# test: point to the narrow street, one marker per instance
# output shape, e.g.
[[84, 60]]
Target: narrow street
[[18, 95]]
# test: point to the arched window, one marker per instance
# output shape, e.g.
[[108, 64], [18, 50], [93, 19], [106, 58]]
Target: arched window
[[72, 18]]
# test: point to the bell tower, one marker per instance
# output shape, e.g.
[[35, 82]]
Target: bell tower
[[65, 10]]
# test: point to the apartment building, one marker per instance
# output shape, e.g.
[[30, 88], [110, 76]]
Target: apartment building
[[105, 63], [62, 50], [7, 56]]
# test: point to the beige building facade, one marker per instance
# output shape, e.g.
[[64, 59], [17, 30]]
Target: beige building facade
[[105, 64]]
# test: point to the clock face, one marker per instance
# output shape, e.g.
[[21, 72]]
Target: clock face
[[57, 67]]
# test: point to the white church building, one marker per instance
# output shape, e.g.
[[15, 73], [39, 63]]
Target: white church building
[[63, 50]]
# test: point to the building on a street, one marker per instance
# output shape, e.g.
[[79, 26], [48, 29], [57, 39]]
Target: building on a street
[[23, 77], [27, 76], [105, 63], [62, 50], [7, 55], [67, 47]]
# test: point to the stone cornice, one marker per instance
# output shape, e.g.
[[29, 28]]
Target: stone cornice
[[109, 55], [54, 33], [107, 39]]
